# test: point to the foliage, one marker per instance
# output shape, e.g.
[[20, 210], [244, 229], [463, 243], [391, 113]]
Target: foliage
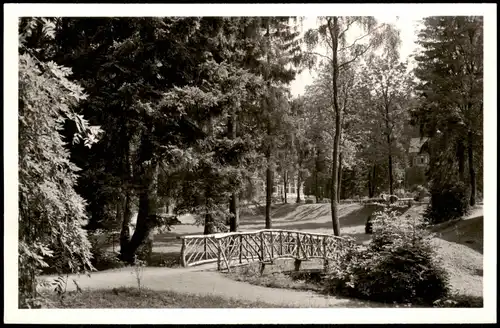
[[399, 265], [450, 90], [459, 301], [51, 213], [448, 202], [102, 259], [415, 176], [332, 31], [420, 192], [383, 98]]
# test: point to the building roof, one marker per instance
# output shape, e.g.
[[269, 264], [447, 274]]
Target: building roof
[[416, 144]]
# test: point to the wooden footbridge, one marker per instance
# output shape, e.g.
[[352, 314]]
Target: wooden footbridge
[[238, 248]]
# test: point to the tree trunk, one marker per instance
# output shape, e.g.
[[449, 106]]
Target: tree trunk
[[472, 171], [316, 183], [234, 221], [209, 219], [285, 185], [127, 216], [127, 219], [146, 218], [371, 182], [209, 224], [142, 240], [269, 193], [389, 147], [334, 33], [461, 160], [339, 177], [298, 188], [269, 173], [235, 215], [391, 178]]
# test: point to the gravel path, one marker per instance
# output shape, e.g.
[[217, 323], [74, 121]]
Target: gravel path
[[192, 281]]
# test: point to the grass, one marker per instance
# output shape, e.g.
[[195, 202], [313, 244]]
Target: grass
[[125, 298], [278, 275]]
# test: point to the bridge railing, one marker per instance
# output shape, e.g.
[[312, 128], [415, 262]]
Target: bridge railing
[[237, 248], [399, 201]]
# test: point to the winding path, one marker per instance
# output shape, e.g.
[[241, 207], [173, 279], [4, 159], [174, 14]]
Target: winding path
[[195, 281]]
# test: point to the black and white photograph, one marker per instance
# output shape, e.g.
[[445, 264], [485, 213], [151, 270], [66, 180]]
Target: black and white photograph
[[174, 162]]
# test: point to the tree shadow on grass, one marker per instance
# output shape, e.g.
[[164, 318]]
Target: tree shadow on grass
[[310, 213], [278, 211], [165, 259], [361, 238], [468, 232], [357, 217], [170, 237]]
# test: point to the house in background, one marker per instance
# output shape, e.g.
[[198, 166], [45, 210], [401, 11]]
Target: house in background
[[418, 154], [256, 189], [291, 189]]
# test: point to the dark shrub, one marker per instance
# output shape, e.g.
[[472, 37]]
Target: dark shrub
[[420, 192], [449, 201], [460, 301], [393, 198], [309, 201], [102, 259], [399, 265], [368, 225]]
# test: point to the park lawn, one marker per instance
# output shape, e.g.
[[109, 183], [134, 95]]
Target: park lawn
[[128, 298], [280, 275]]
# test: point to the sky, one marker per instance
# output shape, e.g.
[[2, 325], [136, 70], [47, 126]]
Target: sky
[[407, 25]]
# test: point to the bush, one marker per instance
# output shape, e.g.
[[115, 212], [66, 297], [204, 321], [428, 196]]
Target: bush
[[402, 193], [449, 201], [309, 201], [420, 192], [101, 258], [460, 301], [399, 265]]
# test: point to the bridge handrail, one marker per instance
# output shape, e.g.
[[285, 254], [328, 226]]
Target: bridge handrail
[[263, 245], [225, 234]]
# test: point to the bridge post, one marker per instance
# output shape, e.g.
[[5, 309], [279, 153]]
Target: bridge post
[[325, 257], [272, 245], [241, 247], [262, 246], [325, 264], [183, 253], [219, 249], [297, 264], [297, 259], [205, 247], [298, 245], [281, 243]]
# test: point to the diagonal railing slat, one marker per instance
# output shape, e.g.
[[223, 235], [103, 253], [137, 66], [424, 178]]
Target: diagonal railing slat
[[236, 248]]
